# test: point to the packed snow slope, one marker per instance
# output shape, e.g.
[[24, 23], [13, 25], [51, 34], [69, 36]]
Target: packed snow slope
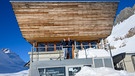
[[10, 62], [122, 38]]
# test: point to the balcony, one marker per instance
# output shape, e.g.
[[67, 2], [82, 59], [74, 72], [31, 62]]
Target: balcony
[[42, 53]]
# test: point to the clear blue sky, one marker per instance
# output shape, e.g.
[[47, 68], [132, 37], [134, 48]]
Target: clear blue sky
[[10, 35]]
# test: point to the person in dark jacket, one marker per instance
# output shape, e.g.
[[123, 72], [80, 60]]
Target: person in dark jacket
[[64, 48], [70, 43]]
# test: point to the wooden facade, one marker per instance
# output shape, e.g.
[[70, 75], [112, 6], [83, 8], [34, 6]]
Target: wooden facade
[[53, 21]]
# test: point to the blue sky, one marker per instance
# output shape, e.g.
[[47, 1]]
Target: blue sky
[[10, 35]]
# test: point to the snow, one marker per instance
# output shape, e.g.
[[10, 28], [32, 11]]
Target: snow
[[85, 71], [6, 50], [91, 52], [22, 73], [102, 71], [128, 48], [119, 31], [122, 29]]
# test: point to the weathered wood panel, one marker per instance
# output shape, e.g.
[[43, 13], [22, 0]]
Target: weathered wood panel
[[50, 22]]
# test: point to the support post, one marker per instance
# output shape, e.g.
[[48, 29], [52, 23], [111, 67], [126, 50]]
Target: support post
[[54, 46], [73, 49]]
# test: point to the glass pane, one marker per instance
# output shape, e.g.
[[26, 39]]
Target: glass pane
[[98, 63], [93, 44], [41, 71], [41, 47], [59, 71], [58, 46], [108, 62], [73, 70], [78, 45], [50, 47], [85, 45]]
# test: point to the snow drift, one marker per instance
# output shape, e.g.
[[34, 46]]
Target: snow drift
[[87, 71]]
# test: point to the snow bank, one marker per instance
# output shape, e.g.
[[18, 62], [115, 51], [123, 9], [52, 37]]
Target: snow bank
[[103, 71], [22, 73], [93, 53], [85, 71]]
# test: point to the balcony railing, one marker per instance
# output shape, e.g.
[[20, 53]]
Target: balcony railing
[[41, 53]]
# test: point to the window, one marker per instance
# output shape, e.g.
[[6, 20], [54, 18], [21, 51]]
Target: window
[[41, 47], [98, 63], [50, 46], [55, 71], [58, 47], [85, 45], [41, 72], [78, 45], [73, 70], [108, 62], [93, 44]]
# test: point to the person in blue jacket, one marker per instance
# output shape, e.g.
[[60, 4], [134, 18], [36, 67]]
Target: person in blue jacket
[[70, 43], [64, 47]]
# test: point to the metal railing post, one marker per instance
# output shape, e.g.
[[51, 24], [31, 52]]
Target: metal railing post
[[75, 49], [38, 55], [32, 54], [60, 52], [85, 52], [109, 48]]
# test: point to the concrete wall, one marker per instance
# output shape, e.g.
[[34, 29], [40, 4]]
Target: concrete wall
[[129, 63]]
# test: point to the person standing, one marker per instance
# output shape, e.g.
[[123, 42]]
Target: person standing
[[70, 43], [64, 48]]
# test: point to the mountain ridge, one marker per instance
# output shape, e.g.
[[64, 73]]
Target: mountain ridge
[[10, 62], [124, 14]]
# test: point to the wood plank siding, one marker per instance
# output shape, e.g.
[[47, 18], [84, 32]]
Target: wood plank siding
[[53, 21]]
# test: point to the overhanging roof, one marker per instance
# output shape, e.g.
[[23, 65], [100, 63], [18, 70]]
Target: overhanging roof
[[53, 21], [64, 0]]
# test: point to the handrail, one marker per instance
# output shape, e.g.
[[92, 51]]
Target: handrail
[[60, 47]]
